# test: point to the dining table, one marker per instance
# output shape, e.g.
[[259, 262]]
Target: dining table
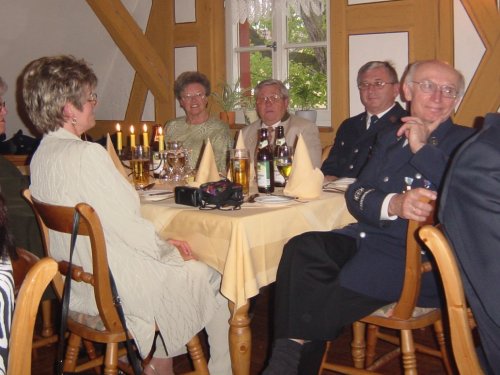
[[245, 246]]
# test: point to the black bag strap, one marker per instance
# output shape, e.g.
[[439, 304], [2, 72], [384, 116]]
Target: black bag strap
[[134, 361], [132, 356], [66, 295]]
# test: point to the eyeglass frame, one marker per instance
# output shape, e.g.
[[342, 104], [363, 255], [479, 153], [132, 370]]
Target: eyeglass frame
[[434, 86], [190, 97], [377, 85], [274, 98]]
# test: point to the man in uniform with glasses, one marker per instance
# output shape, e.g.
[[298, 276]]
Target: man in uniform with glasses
[[327, 280], [378, 86], [271, 97]]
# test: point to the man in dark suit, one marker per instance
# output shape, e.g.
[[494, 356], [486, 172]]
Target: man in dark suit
[[327, 280], [470, 213], [378, 86]]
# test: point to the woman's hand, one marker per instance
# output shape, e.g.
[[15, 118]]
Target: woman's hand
[[184, 249]]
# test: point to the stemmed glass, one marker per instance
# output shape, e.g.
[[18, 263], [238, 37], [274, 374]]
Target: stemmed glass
[[176, 161], [283, 157]]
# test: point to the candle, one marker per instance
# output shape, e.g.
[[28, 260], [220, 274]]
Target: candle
[[145, 137], [161, 144], [132, 136], [119, 140]]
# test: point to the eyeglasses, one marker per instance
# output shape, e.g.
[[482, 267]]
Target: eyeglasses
[[378, 85], [197, 95], [271, 99], [430, 87], [92, 98], [2, 105]]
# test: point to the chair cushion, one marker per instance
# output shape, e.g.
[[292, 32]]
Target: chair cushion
[[91, 321], [387, 310]]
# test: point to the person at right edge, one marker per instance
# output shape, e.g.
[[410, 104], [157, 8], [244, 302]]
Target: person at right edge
[[378, 86], [470, 213], [327, 280]]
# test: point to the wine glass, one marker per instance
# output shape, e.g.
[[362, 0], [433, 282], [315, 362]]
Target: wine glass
[[283, 157]]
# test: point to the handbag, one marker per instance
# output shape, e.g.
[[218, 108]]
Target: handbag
[[132, 356], [222, 195]]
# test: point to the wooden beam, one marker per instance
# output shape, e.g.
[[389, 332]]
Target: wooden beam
[[483, 95], [134, 45]]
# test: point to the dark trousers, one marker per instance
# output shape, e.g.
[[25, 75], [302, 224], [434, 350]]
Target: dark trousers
[[310, 303]]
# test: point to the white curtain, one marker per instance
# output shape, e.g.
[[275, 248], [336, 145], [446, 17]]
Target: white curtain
[[253, 10]]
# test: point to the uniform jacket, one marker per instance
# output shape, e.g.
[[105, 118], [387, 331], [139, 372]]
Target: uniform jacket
[[470, 213], [293, 126], [377, 269], [353, 142]]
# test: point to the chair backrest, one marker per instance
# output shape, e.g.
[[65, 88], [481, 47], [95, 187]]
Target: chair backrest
[[458, 315], [23, 322], [325, 152], [60, 219], [413, 270]]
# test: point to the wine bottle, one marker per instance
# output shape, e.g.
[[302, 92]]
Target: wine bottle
[[279, 140], [264, 157]]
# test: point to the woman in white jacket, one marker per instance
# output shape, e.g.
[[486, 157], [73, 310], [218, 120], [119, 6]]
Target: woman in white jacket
[[157, 286]]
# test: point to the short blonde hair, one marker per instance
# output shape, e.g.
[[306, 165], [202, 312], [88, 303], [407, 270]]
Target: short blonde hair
[[48, 83]]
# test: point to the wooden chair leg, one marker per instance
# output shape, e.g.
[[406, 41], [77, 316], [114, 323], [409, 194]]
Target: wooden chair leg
[[358, 345], [408, 353], [440, 337], [371, 344], [47, 322], [111, 359], [197, 356], [91, 353], [72, 350], [325, 356]]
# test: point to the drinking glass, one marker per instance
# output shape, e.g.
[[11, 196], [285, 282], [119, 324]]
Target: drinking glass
[[140, 166], [176, 156], [283, 159], [239, 164]]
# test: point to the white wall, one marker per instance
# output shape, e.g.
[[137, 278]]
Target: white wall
[[33, 28]]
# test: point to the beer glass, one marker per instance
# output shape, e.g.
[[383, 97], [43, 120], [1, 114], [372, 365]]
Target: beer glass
[[283, 157], [239, 164], [140, 165]]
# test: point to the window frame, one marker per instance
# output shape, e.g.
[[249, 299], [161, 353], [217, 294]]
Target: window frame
[[279, 57]]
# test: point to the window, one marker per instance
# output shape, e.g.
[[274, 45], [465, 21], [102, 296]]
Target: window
[[289, 46]]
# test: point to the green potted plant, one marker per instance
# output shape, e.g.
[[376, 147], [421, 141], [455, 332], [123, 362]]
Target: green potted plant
[[230, 99], [303, 98]]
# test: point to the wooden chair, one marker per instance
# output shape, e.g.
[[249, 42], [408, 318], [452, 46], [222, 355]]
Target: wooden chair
[[325, 152], [458, 313], [23, 322], [21, 266], [108, 329], [403, 316]]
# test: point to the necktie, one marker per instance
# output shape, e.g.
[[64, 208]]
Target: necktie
[[373, 120]]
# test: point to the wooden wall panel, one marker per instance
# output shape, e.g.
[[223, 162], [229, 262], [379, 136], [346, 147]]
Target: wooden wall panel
[[419, 18]]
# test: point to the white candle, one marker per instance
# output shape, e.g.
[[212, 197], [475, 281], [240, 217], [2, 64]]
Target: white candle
[[161, 144], [119, 139], [132, 136]]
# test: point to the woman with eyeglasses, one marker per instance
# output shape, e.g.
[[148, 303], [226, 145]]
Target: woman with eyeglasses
[[159, 282], [192, 90]]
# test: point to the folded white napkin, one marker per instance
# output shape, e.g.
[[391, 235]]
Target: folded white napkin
[[305, 181], [207, 170], [114, 156]]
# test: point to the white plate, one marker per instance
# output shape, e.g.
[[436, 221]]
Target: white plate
[[156, 195], [274, 199]]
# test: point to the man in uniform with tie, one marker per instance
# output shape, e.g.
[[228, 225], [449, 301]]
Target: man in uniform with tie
[[327, 280], [378, 86], [271, 98]]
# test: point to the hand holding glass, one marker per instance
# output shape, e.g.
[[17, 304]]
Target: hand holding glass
[[283, 159]]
